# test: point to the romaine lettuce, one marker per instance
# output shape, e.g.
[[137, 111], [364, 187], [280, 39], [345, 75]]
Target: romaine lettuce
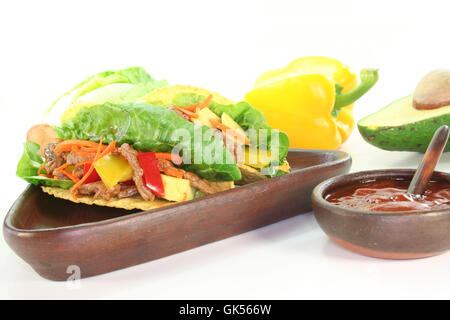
[[119, 86], [242, 112], [153, 128]]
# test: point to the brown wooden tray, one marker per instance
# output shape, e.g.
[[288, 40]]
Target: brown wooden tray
[[52, 234]]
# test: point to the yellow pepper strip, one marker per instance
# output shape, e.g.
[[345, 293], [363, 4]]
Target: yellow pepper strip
[[311, 100], [113, 169]]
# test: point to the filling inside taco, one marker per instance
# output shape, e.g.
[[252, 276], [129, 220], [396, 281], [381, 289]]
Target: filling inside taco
[[259, 150]]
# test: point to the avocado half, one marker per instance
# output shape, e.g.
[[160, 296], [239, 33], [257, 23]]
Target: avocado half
[[401, 127]]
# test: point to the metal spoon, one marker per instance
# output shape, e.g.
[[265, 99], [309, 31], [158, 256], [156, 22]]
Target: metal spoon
[[430, 159]]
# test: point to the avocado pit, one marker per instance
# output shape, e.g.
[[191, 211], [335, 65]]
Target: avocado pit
[[433, 91]]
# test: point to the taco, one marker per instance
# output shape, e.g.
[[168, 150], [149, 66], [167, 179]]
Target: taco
[[148, 148]]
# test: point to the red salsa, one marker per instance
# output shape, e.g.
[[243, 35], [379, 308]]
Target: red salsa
[[391, 195]]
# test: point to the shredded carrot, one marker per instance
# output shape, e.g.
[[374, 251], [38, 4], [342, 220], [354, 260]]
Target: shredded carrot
[[63, 148], [67, 145], [190, 114], [175, 158], [65, 165], [82, 163], [74, 189], [67, 173], [70, 175], [200, 105], [90, 149], [228, 130], [110, 148], [40, 170], [81, 143], [81, 152]]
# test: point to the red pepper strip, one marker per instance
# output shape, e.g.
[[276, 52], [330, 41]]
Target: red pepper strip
[[152, 177], [190, 114], [200, 105], [93, 176], [175, 158]]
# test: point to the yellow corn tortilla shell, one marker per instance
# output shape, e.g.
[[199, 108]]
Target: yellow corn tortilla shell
[[285, 167], [222, 185], [250, 175], [124, 203], [131, 203]]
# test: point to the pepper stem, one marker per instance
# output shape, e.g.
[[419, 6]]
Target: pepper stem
[[368, 79]]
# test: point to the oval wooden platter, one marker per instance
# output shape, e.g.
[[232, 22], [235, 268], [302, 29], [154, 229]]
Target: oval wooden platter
[[54, 234]]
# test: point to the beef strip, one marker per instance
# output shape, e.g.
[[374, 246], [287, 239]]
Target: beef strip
[[199, 183], [78, 171], [234, 147], [99, 190], [53, 159], [73, 158], [203, 185], [131, 156], [127, 191]]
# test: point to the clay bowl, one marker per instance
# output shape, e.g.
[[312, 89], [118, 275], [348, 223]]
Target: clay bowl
[[389, 235]]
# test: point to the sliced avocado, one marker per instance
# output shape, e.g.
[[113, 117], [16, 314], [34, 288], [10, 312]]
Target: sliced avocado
[[401, 127]]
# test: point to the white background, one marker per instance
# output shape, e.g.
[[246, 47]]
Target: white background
[[47, 47]]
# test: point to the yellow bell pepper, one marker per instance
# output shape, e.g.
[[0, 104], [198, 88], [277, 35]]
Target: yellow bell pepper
[[113, 169], [311, 100]]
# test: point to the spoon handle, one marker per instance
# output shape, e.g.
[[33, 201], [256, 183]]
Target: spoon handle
[[426, 168]]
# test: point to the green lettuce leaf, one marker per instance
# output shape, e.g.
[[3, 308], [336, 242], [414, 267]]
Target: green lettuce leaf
[[28, 167], [119, 86], [153, 128], [245, 115]]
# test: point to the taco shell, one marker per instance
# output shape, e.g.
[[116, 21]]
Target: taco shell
[[125, 203], [250, 175]]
